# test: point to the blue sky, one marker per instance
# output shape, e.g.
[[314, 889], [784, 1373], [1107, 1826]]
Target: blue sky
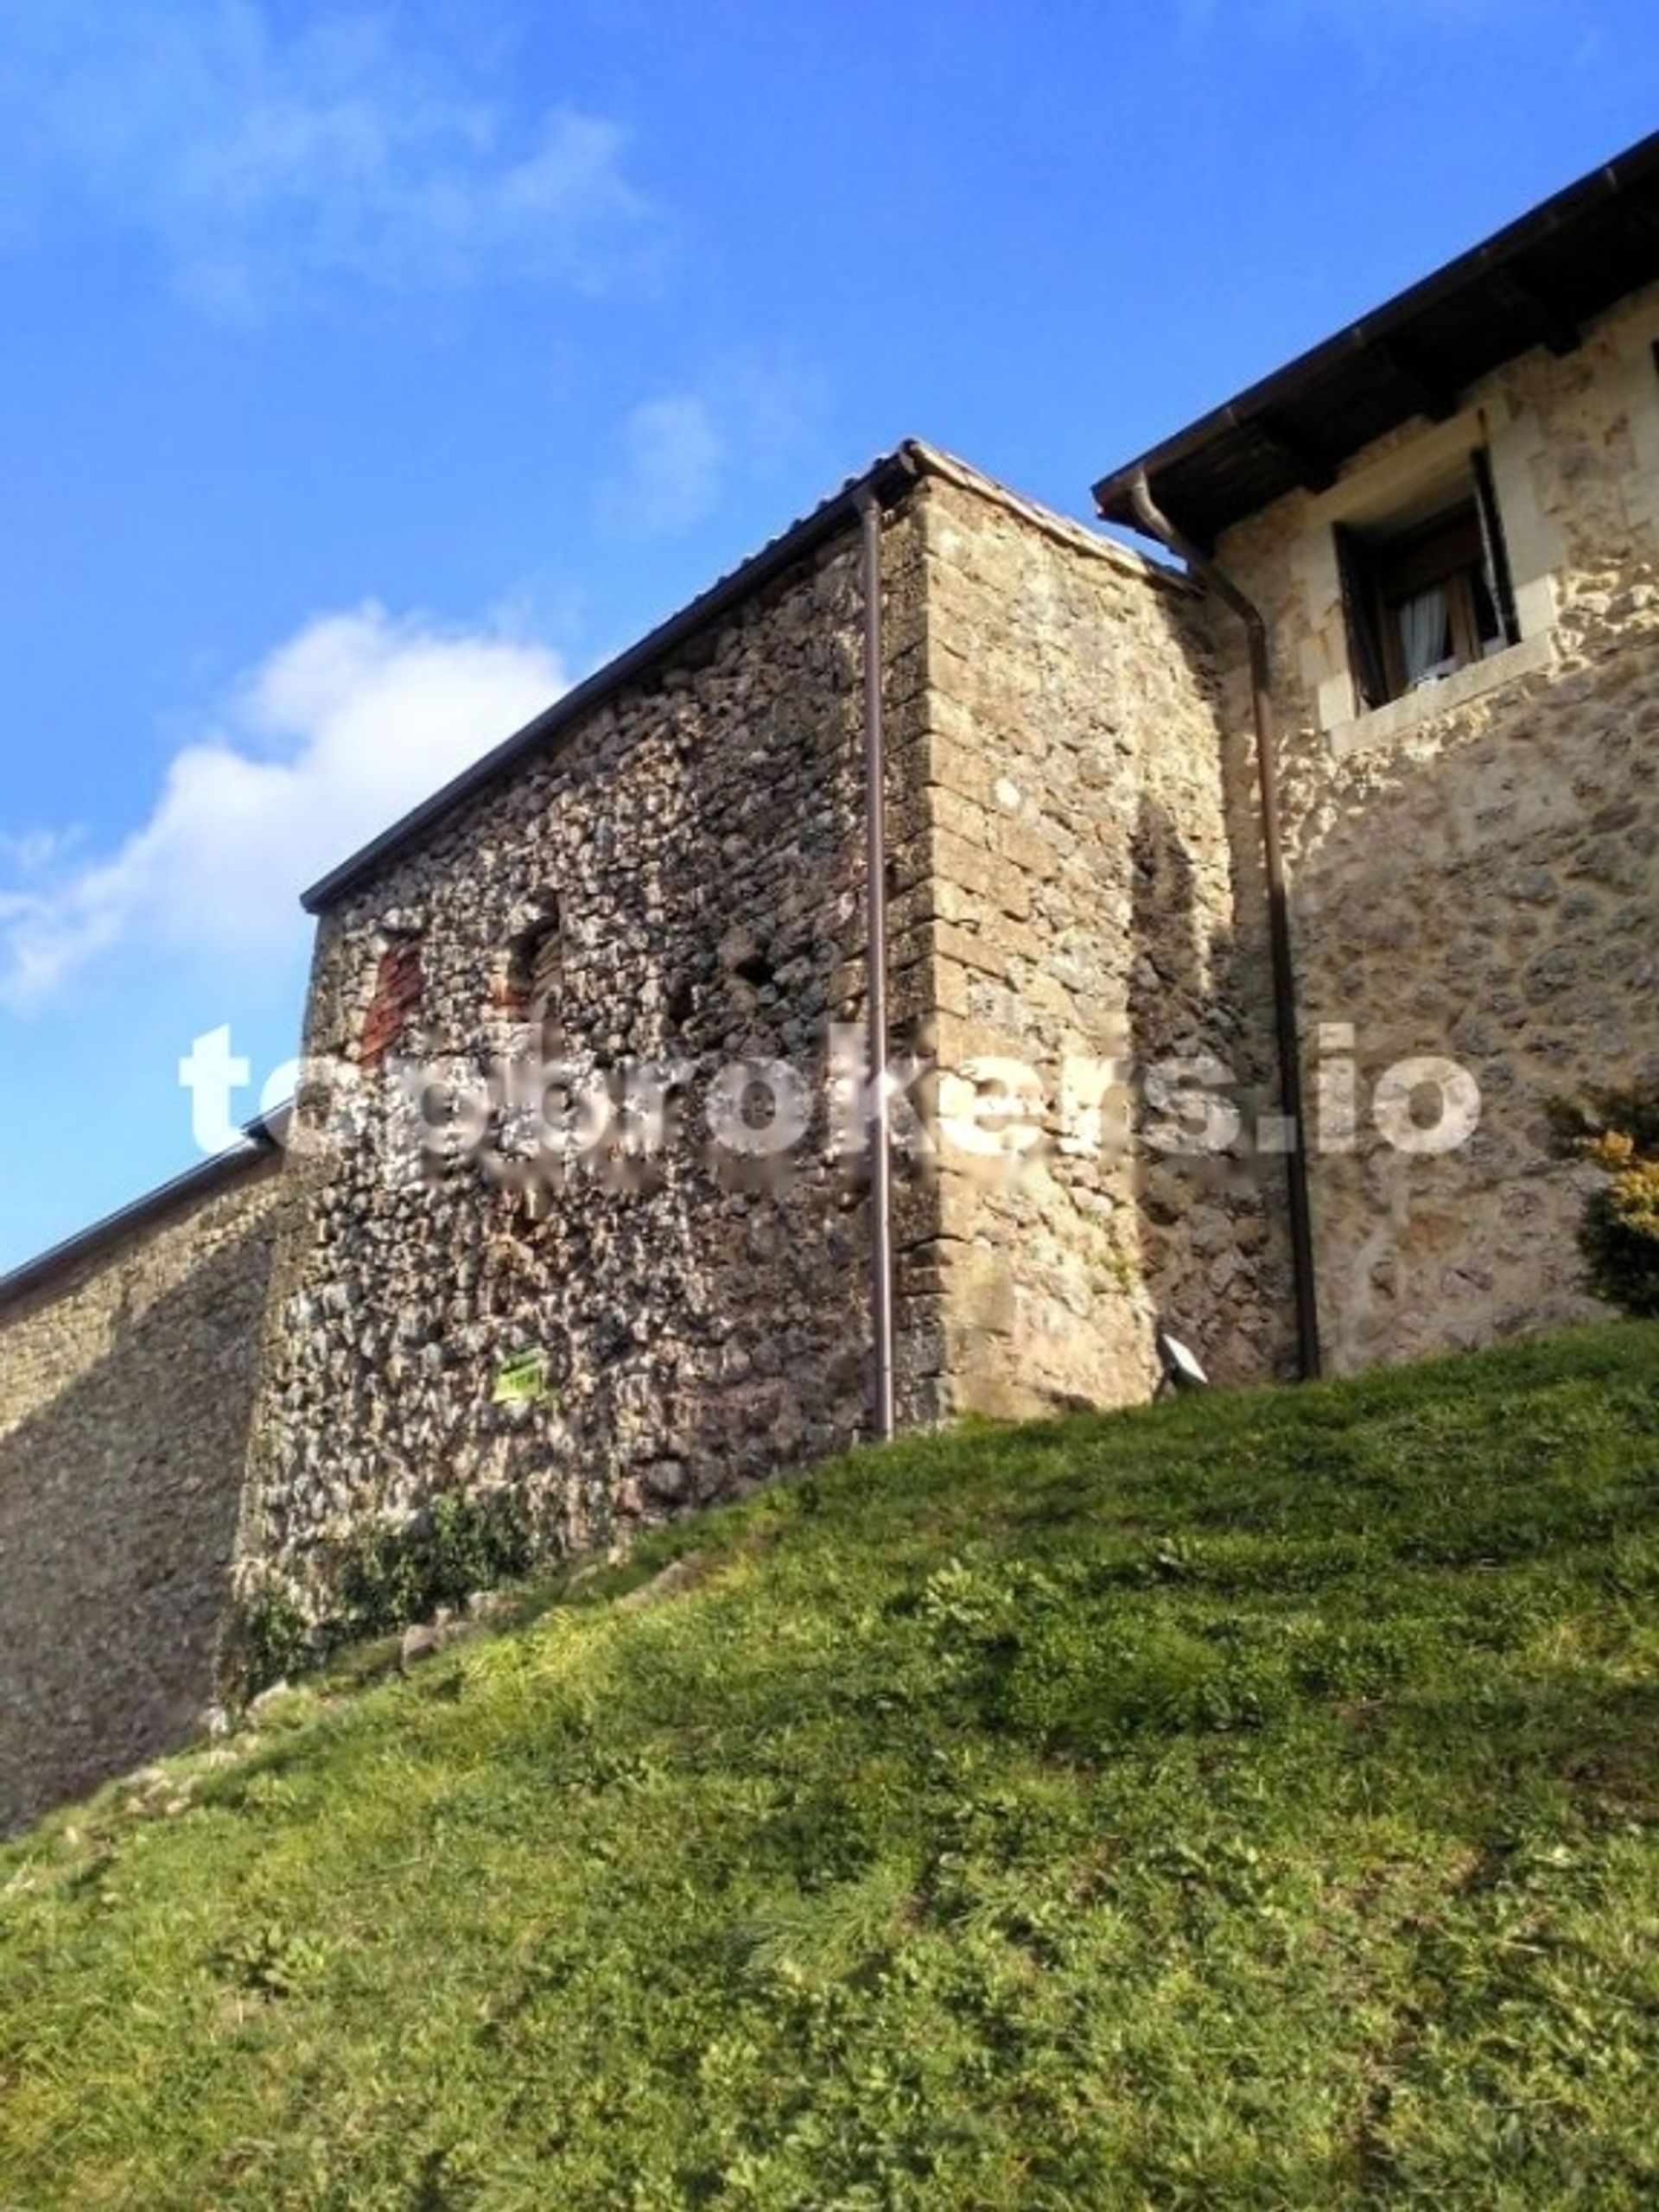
[[368, 374]]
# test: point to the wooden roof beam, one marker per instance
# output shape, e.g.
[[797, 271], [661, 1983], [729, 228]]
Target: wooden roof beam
[[1524, 297], [1313, 470], [1428, 395]]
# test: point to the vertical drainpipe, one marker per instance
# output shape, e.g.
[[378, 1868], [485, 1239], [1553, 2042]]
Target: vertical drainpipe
[[876, 969], [1158, 524]]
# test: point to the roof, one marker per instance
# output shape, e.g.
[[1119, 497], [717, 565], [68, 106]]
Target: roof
[[883, 479], [1536, 283], [261, 1142]]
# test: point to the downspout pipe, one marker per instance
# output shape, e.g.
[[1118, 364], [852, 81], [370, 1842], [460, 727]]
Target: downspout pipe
[[879, 1129], [1158, 525]]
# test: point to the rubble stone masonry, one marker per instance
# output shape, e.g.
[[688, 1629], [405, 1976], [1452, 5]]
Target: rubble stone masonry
[[677, 878], [685, 864]]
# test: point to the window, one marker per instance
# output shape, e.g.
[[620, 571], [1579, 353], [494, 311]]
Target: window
[[535, 978], [395, 1003], [1426, 590], [529, 990]]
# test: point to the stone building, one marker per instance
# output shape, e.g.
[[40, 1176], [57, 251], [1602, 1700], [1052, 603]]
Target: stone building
[[668, 869], [1342, 830], [1470, 474]]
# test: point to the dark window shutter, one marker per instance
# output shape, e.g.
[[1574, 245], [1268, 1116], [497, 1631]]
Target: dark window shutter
[[1365, 661], [1493, 548]]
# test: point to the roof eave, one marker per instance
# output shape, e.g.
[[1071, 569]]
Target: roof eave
[[1113, 493], [884, 479], [262, 1141]]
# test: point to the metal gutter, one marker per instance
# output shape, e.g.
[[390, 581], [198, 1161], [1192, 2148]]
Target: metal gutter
[[879, 1133], [1299, 379], [1286, 1025]]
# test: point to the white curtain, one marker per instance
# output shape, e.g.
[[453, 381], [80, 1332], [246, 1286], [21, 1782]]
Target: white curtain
[[1422, 633]]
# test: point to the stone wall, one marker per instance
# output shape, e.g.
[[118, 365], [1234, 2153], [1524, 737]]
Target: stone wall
[[1077, 889], [126, 1383], [1473, 868], [694, 845]]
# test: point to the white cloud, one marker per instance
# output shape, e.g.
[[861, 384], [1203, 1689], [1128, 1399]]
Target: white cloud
[[672, 465], [34, 852], [1367, 21], [333, 735], [749, 418], [263, 161]]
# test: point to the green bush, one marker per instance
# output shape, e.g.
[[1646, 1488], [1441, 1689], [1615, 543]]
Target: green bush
[[389, 1577], [1619, 1133], [383, 1580], [268, 1640]]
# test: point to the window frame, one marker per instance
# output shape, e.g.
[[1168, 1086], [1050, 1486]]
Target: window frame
[[1381, 563], [533, 978]]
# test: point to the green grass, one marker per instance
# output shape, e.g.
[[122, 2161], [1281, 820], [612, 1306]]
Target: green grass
[[1245, 1802]]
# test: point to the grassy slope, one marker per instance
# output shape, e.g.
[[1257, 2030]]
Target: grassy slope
[[1248, 1801]]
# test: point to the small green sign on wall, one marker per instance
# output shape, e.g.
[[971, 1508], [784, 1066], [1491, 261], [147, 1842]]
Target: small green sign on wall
[[521, 1380]]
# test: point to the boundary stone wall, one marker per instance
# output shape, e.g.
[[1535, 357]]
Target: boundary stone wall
[[126, 1391]]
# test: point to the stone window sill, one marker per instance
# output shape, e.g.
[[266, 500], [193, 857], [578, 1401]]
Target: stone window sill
[[1382, 725]]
